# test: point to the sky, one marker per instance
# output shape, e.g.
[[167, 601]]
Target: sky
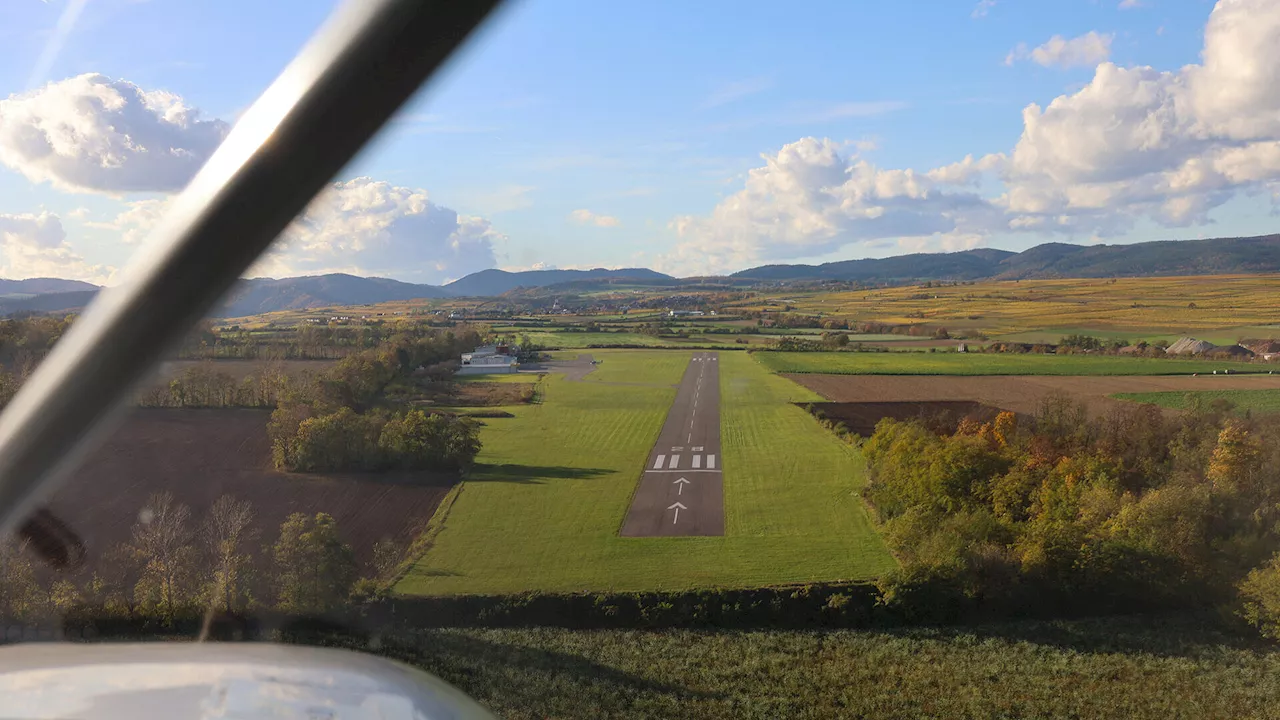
[[693, 138]]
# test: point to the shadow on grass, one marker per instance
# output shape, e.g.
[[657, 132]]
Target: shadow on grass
[[512, 678], [531, 474]]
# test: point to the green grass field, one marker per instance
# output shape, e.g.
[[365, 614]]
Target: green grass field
[[953, 363], [1255, 401], [543, 508], [1130, 667]]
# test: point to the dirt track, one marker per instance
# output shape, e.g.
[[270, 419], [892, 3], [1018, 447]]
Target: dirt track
[[1019, 393], [198, 455]]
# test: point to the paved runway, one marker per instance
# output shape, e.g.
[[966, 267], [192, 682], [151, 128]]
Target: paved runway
[[681, 492]]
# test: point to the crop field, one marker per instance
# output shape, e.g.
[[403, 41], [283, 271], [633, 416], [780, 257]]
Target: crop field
[[1255, 401], [1230, 305], [1131, 667], [1022, 394], [543, 508], [198, 455], [954, 363]]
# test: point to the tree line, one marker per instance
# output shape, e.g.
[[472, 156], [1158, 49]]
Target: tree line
[[177, 565], [1130, 511], [340, 423]]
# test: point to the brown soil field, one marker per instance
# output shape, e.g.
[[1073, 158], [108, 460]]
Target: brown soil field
[[941, 416], [1020, 393], [199, 455], [239, 369]]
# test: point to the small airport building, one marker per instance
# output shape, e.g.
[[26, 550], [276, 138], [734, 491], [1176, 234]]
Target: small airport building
[[489, 359]]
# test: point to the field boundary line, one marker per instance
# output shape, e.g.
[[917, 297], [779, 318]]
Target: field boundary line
[[423, 542]]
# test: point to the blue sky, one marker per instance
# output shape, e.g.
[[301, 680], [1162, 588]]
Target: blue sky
[[575, 134]]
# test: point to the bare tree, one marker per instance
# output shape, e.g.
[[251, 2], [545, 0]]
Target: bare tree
[[227, 534], [163, 539]]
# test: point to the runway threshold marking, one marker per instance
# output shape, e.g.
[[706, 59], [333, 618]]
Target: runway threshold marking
[[657, 464]]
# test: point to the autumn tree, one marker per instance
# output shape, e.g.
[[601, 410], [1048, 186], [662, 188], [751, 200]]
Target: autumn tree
[[315, 569], [163, 539], [228, 535], [21, 596]]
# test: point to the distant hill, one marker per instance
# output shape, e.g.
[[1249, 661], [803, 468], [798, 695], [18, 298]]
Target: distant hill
[[497, 282], [43, 286], [47, 303], [1051, 260], [259, 295], [966, 265]]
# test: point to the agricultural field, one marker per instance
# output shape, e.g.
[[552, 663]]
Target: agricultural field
[[1252, 401], [954, 363], [199, 455], [1130, 667], [1022, 394], [1226, 307], [240, 369], [542, 509]]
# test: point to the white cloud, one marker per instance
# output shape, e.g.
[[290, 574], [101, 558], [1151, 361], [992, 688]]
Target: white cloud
[[737, 90], [1131, 4], [1085, 51], [983, 7], [135, 221], [370, 227], [1132, 144], [810, 199], [79, 213], [36, 246], [94, 134], [586, 217], [1170, 146]]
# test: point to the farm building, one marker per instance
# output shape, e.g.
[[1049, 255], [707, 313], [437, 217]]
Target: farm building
[[1235, 351], [489, 359]]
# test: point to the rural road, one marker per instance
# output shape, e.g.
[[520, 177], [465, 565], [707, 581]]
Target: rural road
[[681, 491]]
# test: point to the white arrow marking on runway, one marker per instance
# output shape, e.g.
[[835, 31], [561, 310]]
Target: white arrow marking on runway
[[677, 507], [679, 486]]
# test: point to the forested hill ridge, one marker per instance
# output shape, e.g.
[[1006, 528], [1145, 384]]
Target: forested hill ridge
[[1052, 260], [497, 282]]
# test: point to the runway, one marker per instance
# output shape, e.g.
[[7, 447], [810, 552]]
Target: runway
[[681, 492]]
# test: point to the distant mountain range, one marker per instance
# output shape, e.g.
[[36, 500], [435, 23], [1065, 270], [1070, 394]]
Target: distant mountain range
[[1052, 260], [487, 283]]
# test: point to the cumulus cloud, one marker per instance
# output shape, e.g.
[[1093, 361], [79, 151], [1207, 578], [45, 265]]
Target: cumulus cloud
[[369, 227], [1135, 143], [586, 217], [94, 134], [1171, 146], [36, 246], [812, 198], [1085, 51], [136, 220]]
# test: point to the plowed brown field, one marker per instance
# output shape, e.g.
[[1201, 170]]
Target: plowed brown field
[[1020, 393], [199, 455]]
